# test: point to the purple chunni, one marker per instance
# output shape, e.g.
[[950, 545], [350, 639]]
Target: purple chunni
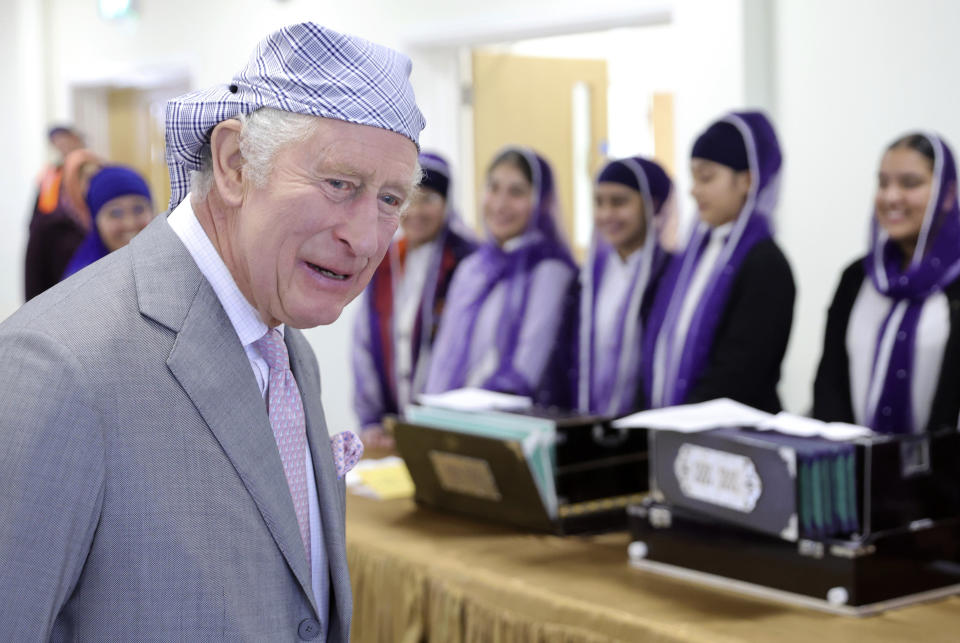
[[477, 277], [671, 363], [608, 383], [935, 264]]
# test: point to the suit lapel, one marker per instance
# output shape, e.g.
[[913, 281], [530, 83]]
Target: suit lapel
[[329, 488], [212, 367]]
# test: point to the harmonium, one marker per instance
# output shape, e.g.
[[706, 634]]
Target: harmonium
[[832, 517], [533, 468]]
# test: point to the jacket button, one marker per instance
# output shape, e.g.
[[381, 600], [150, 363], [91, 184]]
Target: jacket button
[[309, 629]]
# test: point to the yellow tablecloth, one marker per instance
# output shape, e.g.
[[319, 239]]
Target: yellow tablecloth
[[420, 575]]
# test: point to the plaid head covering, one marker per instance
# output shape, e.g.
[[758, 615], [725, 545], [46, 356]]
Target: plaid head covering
[[303, 68]]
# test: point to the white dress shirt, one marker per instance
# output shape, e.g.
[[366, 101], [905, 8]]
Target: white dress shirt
[[249, 328]]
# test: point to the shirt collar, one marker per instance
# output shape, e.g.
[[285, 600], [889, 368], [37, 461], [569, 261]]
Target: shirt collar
[[631, 259], [243, 316], [723, 231]]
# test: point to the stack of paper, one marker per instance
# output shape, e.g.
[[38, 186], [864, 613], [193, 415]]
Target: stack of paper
[[690, 418], [537, 437], [476, 399], [790, 424]]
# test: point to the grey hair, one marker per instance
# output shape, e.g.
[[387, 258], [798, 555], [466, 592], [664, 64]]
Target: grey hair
[[262, 134]]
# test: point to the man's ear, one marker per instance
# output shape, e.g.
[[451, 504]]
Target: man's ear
[[227, 161]]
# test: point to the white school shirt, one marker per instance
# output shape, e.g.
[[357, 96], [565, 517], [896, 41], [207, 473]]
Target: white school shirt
[[249, 328], [698, 284], [614, 290], [548, 289], [869, 310], [407, 299]]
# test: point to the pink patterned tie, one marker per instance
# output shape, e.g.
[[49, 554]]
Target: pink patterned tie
[[289, 425]]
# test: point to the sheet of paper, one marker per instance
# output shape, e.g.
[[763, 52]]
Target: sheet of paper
[[801, 426], [689, 418], [475, 399]]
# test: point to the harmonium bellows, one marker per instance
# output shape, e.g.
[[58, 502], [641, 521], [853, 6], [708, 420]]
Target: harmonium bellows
[[849, 526], [534, 468]]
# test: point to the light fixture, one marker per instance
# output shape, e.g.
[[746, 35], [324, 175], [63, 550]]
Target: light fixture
[[115, 9]]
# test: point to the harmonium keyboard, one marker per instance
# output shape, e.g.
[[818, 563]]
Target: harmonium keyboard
[[854, 525], [533, 468]]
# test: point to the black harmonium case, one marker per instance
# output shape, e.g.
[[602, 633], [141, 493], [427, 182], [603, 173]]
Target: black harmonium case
[[906, 548], [598, 471]]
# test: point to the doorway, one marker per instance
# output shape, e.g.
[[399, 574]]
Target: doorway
[[580, 100], [123, 120]]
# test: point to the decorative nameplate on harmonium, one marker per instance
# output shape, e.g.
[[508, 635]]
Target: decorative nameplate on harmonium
[[527, 467], [833, 517]]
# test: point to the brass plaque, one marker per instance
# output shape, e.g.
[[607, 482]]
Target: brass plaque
[[463, 474]]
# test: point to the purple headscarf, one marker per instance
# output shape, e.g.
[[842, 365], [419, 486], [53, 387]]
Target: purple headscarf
[[490, 266], [935, 263], [672, 363], [607, 384]]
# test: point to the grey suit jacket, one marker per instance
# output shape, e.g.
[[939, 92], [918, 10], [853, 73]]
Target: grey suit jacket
[[142, 496]]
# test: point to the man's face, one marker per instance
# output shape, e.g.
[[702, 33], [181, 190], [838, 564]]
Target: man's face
[[304, 245]]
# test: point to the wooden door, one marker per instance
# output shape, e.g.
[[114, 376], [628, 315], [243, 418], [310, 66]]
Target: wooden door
[[534, 102]]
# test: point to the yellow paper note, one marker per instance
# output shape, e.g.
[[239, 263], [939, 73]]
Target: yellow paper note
[[388, 482]]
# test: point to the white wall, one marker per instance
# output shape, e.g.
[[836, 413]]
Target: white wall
[[850, 77], [22, 129]]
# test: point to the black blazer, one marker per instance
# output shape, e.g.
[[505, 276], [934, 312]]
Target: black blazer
[[751, 338], [831, 389]]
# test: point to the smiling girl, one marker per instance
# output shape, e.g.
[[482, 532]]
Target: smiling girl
[[507, 323], [632, 202], [120, 206], [891, 356]]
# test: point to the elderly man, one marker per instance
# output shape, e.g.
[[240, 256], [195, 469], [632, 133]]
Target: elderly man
[[165, 470]]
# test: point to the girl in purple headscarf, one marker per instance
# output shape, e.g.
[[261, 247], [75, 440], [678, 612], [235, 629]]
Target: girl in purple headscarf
[[120, 207], [632, 200], [891, 355], [721, 319], [395, 330], [509, 320]]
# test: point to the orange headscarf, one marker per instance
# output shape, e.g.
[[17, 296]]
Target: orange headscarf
[[75, 183]]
